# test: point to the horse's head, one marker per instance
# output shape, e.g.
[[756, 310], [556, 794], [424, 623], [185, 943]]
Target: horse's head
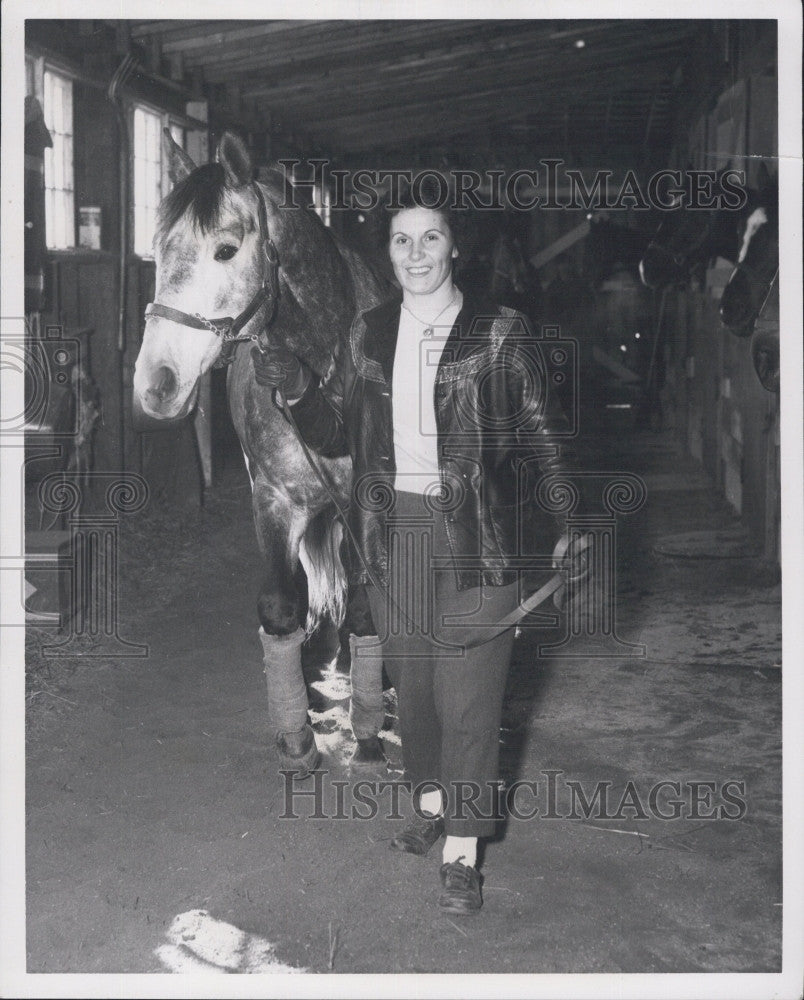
[[218, 238], [682, 239], [758, 260], [687, 238], [210, 268]]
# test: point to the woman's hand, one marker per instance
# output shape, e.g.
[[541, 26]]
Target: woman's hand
[[572, 554], [278, 368]]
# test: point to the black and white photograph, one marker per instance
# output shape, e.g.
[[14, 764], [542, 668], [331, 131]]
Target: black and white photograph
[[402, 524]]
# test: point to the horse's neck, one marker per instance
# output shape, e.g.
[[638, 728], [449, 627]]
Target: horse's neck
[[724, 237], [322, 285]]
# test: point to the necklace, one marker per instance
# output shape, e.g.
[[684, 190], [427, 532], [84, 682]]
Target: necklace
[[428, 327]]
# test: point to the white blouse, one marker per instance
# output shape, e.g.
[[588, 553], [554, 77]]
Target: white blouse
[[415, 365]]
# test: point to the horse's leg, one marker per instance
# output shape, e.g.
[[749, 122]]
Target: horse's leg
[[358, 621], [366, 710], [280, 632]]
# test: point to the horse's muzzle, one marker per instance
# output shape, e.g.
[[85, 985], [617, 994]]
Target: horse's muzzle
[[155, 405]]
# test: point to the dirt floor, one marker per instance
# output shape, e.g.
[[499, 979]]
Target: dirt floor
[[155, 831]]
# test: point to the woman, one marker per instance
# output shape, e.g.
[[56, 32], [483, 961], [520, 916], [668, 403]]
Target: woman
[[441, 404]]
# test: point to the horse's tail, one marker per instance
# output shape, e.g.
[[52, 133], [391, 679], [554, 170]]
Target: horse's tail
[[319, 552]]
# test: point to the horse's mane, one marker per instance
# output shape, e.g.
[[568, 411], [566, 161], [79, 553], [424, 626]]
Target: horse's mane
[[200, 195]]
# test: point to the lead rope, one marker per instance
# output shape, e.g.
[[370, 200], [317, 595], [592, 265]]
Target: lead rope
[[331, 493], [533, 601]]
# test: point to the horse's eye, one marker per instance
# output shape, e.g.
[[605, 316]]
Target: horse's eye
[[225, 252]]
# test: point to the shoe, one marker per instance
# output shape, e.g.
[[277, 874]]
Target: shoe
[[461, 888], [419, 835]]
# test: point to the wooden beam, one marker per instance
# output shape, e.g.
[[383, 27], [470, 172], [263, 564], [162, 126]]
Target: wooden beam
[[203, 38], [177, 67], [319, 51], [467, 44], [396, 114], [349, 88], [154, 54], [177, 28]]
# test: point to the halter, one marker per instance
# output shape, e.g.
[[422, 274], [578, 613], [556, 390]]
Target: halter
[[225, 327]]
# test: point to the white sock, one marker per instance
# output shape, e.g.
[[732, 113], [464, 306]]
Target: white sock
[[431, 803], [463, 849]]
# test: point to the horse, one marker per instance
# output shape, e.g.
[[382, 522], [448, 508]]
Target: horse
[[688, 239], [226, 244], [610, 248], [748, 292]]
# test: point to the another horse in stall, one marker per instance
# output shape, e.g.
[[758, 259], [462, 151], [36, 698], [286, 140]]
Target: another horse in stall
[[750, 286], [687, 239], [611, 248], [229, 246]]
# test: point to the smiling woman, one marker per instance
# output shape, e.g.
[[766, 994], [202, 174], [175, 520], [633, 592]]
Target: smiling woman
[[441, 404], [422, 250]]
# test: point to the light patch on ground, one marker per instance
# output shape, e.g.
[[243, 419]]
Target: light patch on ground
[[197, 942], [333, 734], [334, 686]]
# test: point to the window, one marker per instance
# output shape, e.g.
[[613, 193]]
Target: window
[[147, 177], [59, 197]]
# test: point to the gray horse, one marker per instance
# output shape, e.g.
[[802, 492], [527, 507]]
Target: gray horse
[[238, 263]]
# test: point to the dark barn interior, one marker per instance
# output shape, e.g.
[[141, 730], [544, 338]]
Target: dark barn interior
[[155, 815]]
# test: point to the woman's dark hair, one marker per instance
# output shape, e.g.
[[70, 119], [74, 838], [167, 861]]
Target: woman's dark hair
[[427, 189]]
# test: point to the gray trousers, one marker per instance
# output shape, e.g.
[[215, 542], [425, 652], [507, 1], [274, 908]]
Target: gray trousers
[[449, 677]]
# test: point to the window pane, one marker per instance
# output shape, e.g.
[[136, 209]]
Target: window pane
[[68, 160], [69, 219], [58, 111], [58, 221], [59, 200], [139, 181], [139, 228], [67, 93], [147, 187], [49, 198]]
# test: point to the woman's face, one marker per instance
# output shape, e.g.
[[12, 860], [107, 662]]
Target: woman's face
[[421, 249]]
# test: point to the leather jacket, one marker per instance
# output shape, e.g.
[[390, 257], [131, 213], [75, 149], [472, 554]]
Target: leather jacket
[[496, 434]]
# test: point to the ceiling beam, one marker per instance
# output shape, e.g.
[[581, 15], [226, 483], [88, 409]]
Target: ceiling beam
[[544, 91], [347, 93], [316, 48], [405, 52]]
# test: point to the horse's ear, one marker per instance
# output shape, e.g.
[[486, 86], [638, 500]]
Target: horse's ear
[[235, 159], [179, 163]]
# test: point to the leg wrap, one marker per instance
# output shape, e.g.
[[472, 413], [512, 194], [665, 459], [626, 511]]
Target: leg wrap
[[287, 692], [366, 712]]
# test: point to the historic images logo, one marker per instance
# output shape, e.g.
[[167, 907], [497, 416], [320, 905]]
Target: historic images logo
[[546, 186], [553, 796], [75, 552]]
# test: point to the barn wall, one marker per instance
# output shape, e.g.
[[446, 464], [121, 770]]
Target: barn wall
[[82, 291], [712, 397]]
